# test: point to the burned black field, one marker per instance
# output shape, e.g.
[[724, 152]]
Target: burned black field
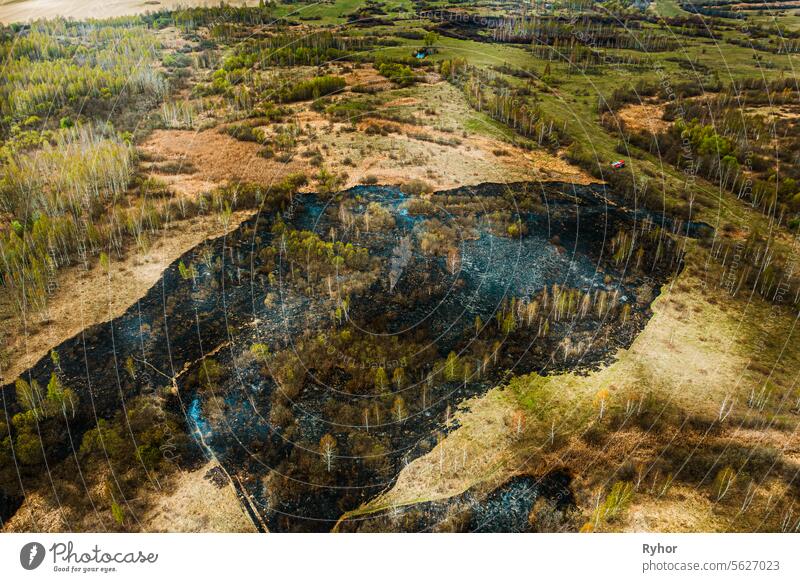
[[325, 343]]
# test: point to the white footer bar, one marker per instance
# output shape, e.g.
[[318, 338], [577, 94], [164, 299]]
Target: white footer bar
[[401, 557]]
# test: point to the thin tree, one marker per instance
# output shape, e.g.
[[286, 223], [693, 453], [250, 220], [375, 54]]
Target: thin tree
[[327, 447]]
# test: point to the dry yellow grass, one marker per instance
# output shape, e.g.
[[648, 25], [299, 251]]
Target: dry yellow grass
[[478, 452], [85, 298], [692, 354], [25, 10], [217, 158], [683, 510], [197, 505], [454, 153], [186, 502], [644, 117]]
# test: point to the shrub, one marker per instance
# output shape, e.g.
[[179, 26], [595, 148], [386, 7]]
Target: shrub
[[397, 73], [416, 187], [246, 132], [615, 502], [723, 482], [315, 88], [176, 60]]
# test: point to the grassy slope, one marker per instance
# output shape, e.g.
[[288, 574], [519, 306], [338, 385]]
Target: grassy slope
[[573, 103], [336, 12], [667, 8]]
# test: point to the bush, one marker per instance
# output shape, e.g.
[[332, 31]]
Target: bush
[[351, 110], [28, 448], [246, 132], [315, 88], [177, 60], [416, 187], [135, 437], [397, 73]]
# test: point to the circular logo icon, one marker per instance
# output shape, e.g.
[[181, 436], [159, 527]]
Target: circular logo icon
[[31, 555]]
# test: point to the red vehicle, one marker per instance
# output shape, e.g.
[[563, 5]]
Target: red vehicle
[[619, 164]]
